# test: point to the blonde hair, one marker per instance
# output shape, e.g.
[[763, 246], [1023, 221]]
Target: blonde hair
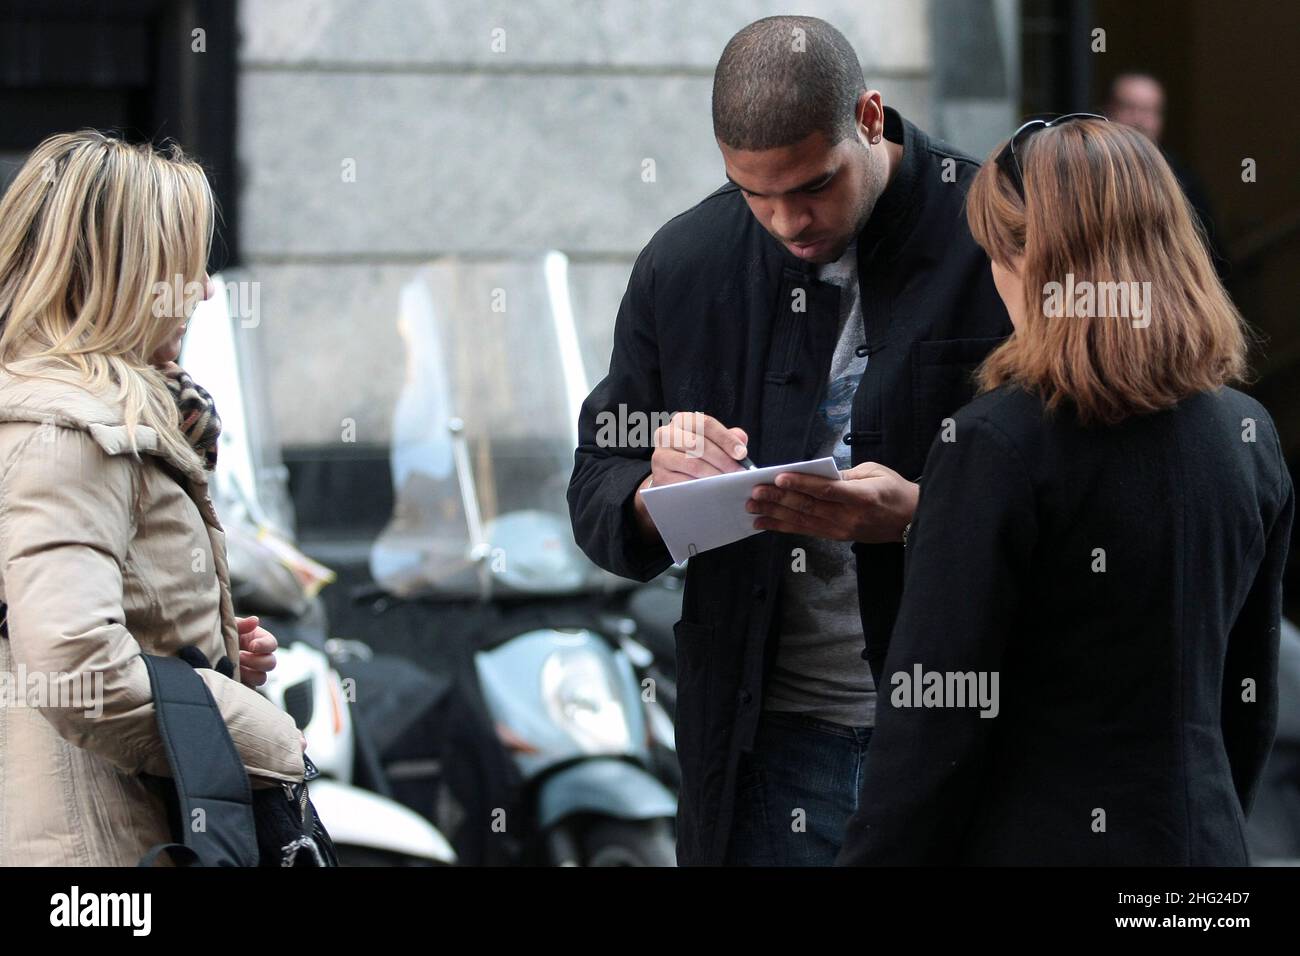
[[1101, 204], [95, 234]]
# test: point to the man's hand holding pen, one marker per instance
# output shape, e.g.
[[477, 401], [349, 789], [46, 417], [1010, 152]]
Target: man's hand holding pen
[[691, 445]]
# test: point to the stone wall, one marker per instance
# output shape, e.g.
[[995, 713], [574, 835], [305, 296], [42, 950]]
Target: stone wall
[[375, 136]]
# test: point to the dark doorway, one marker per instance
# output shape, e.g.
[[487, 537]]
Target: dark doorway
[[134, 66], [1229, 78]]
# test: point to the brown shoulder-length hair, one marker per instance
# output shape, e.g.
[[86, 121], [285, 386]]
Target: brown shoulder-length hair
[[1102, 208]]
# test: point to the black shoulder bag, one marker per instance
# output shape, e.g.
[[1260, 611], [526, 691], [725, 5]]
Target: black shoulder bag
[[216, 817]]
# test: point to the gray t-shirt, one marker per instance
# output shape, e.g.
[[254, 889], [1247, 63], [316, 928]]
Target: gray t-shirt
[[819, 670]]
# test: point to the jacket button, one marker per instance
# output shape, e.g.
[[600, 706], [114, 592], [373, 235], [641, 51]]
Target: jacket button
[[760, 592], [848, 438], [745, 697], [860, 351]]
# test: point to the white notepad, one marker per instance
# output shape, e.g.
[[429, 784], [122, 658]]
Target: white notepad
[[706, 513]]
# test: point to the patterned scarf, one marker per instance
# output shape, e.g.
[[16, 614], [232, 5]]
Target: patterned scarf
[[196, 412]]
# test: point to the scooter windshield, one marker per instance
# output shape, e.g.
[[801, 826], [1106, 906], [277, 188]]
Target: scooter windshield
[[484, 433]]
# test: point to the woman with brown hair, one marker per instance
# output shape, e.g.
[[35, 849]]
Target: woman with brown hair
[[1084, 667]]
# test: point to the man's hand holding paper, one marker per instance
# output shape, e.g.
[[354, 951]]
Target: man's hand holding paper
[[707, 513], [871, 503]]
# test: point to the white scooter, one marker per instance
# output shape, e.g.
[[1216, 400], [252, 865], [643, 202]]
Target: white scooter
[[367, 828], [269, 576], [565, 733]]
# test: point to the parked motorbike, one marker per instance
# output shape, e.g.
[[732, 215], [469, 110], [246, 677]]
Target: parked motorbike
[[271, 578], [556, 737]]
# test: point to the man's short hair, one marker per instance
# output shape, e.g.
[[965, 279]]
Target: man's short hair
[[781, 79], [1133, 74]]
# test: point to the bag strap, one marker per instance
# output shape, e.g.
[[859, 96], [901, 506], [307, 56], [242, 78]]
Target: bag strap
[[214, 798]]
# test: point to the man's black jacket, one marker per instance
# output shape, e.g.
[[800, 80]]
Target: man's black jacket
[[712, 322]]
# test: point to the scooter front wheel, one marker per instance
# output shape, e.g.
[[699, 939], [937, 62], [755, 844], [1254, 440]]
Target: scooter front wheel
[[608, 842]]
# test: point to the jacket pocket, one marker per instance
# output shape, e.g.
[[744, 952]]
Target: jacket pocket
[[943, 380]]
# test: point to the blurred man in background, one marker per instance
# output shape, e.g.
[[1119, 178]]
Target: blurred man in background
[[1137, 99]]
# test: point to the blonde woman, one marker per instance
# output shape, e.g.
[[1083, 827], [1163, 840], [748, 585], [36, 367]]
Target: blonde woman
[[1084, 667], [109, 546]]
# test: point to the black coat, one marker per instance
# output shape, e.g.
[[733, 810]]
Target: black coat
[[1120, 690], [709, 323]]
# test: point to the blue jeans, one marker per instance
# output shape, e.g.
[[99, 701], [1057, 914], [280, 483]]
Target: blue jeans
[[796, 791]]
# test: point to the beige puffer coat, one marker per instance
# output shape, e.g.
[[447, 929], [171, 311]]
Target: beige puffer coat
[[104, 554]]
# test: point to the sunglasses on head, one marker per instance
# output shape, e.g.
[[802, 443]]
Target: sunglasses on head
[[1007, 159]]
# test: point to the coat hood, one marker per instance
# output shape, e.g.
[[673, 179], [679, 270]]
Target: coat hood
[[46, 400]]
